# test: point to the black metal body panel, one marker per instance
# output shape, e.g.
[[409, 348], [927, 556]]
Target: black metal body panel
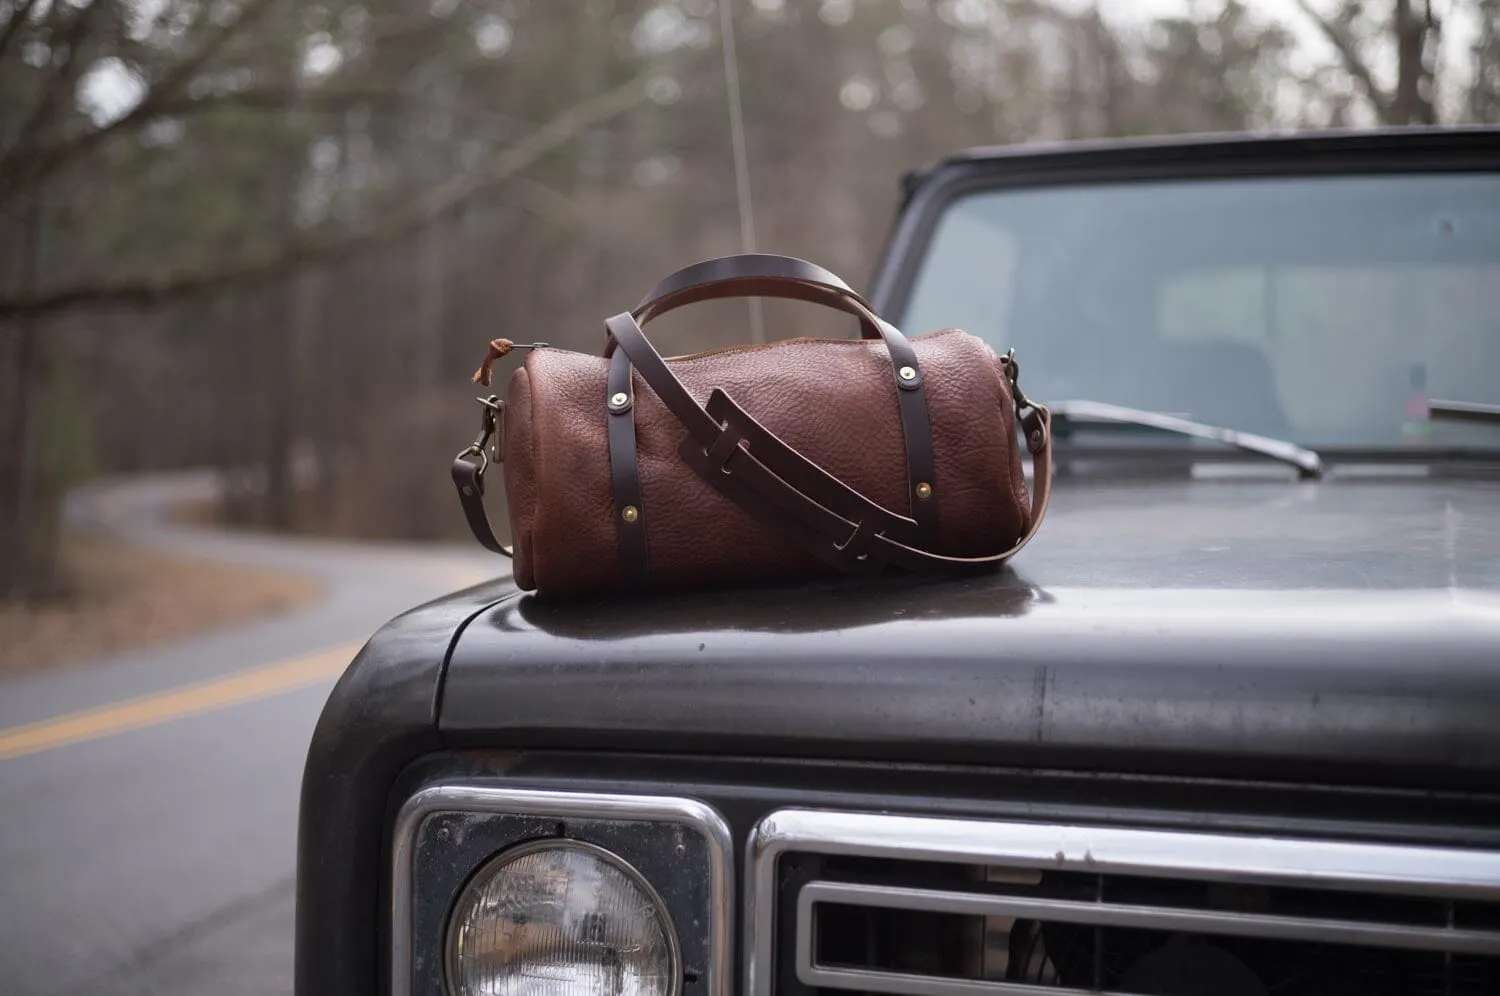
[[378, 718], [1347, 631]]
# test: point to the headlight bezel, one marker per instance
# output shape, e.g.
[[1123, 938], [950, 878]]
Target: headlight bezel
[[491, 865], [445, 830]]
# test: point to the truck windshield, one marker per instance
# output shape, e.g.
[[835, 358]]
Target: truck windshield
[[1323, 310]]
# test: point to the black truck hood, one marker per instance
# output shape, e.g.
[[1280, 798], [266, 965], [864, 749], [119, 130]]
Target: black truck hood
[[1241, 628]]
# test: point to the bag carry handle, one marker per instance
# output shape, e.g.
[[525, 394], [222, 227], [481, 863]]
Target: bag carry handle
[[834, 522], [756, 275]]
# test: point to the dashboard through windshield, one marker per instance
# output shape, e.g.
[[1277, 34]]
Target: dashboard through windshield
[[1325, 310]]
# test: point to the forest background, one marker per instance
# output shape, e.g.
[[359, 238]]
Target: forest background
[[273, 236]]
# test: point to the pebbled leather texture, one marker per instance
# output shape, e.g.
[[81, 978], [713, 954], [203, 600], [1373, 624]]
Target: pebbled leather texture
[[834, 401], [522, 482]]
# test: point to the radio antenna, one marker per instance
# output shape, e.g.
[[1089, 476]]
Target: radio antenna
[[741, 159]]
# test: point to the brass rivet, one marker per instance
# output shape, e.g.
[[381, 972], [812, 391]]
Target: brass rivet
[[924, 490], [618, 399], [630, 513], [468, 491], [907, 373]]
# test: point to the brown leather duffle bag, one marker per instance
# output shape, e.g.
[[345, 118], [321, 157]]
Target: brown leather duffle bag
[[764, 463]]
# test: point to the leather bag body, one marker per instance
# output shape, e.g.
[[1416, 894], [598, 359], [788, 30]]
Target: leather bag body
[[783, 461]]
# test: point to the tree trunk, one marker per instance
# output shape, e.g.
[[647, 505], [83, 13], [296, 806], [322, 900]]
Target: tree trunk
[[1484, 91], [25, 555], [1410, 104], [281, 394]]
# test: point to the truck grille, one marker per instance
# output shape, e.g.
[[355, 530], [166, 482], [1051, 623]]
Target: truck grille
[[879, 903]]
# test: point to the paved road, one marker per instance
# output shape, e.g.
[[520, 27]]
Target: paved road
[[155, 853]]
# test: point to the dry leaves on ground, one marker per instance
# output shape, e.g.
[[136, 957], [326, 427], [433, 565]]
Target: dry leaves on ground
[[129, 598]]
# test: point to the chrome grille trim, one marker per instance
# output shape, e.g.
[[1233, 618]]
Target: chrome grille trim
[[1286, 928], [1411, 870], [900, 984]]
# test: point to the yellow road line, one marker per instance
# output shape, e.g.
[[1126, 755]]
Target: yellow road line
[[175, 703]]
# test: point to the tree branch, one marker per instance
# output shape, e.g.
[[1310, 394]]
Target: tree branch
[[324, 99], [1353, 64], [410, 216], [331, 99], [547, 204], [18, 17], [23, 170], [63, 81], [405, 24]]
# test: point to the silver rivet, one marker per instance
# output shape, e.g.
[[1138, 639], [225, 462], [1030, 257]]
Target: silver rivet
[[468, 491], [1036, 437], [630, 513], [618, 399], [906, 373], [924, 490]]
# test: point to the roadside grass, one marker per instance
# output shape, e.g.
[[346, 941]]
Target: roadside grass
[[126, 597]]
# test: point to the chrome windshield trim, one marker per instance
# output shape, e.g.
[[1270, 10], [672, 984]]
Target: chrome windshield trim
[[1464, 411], [466, 798], [1416, 870]]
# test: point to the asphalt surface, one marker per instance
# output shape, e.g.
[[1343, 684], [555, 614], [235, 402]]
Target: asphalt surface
[[161, 859]]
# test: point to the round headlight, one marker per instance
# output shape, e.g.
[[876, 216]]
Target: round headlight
[[561, 918]]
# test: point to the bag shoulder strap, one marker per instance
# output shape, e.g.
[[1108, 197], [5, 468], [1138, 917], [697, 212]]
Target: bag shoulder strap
[[837, 523], [774, 481], [468, 478]]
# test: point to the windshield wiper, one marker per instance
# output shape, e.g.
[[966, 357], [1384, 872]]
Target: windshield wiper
[[1464, 411], [1081, 412]]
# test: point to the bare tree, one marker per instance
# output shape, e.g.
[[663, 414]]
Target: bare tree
[[1414, 29], [397, 221], [212, 68], [1484, 90]]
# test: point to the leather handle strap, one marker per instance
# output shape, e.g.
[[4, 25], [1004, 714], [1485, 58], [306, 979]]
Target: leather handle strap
[[756, 275], [770, 275], [742, 265], [468, 477], [774, 481]]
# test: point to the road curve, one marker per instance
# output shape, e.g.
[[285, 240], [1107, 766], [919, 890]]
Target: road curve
[[150, 847]]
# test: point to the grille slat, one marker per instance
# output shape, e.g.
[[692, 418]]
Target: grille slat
[[1099, 909], [901, 984], [1154, 917]]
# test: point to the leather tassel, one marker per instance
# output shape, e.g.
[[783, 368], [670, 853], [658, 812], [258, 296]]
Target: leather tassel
[[498, 348]]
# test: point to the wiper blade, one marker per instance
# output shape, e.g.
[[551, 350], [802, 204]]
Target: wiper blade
[[1464, 411], [1082, 412]]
